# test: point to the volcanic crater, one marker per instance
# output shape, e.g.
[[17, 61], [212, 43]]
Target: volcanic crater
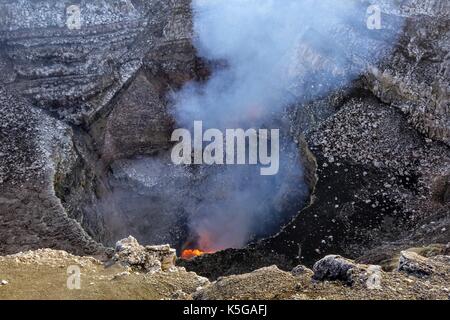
[[87, 117]]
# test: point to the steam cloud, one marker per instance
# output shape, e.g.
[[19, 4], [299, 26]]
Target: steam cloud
[[269, 54], [267, 45]]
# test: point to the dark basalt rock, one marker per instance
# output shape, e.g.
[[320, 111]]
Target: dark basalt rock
[[334, 268]]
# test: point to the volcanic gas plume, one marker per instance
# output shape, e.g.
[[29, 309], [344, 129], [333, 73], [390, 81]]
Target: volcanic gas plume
[[272, 54], [265, 58]]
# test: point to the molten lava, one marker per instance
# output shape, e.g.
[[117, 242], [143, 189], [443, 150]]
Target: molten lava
[[188, 254]]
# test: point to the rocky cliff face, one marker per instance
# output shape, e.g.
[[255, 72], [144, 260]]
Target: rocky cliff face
[[72, 96], [78, 105], [34, 147], [75, 73], [415, 78]]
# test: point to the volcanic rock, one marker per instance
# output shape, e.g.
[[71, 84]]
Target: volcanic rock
[[130, 253], [369, 283], [77, 106], [180, 295], [415, 78], [69, 97], [39, 274], [413, 264], [265, 283], [334, 268], [301, 271], [381, 147]]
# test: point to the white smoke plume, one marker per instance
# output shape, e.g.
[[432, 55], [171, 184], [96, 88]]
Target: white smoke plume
[[270, 54], [267, 45]]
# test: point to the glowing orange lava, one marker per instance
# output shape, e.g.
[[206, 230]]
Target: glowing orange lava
[[192, 253]]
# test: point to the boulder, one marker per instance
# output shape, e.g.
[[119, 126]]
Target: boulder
[[130, 253], [334, 268], [415, 265]]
